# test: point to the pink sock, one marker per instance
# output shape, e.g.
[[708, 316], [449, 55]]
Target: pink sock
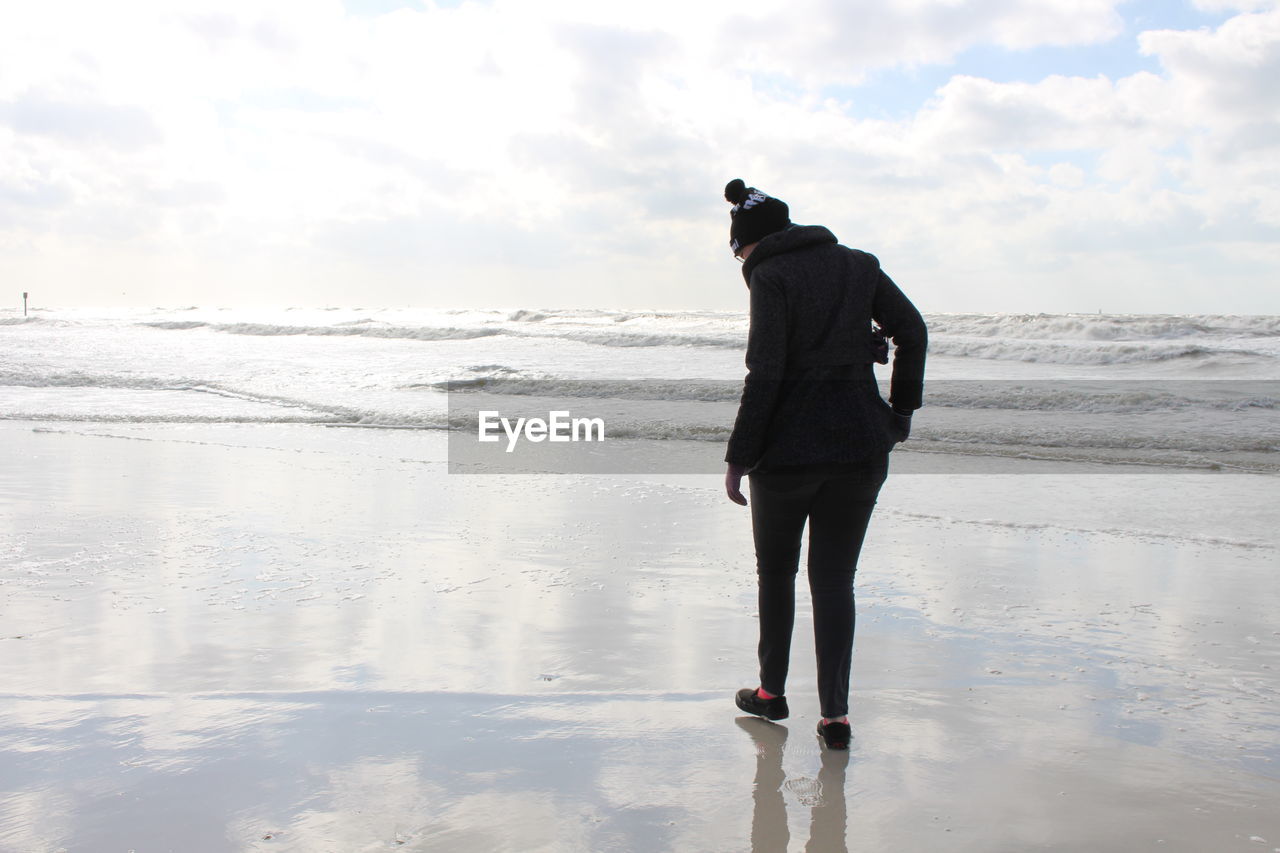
[[764, 694], [825, 721]]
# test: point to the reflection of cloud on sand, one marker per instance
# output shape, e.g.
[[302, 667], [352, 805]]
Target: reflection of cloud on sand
[[343, 820], [35, 818], [1015, 683], [363, 770]]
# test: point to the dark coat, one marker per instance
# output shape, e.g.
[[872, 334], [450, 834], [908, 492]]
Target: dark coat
[[810, 395]]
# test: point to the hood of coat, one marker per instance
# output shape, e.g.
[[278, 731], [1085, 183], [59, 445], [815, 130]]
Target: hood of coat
[[786, 240]]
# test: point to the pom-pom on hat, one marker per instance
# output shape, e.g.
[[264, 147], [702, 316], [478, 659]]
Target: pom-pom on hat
[[754, 214]]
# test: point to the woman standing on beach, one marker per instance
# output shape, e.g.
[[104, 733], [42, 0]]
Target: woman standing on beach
[[812, 433]]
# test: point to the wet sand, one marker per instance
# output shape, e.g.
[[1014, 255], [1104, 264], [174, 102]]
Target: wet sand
[[232, 638]]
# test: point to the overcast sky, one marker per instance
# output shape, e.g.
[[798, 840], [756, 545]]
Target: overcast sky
[[997, 155]]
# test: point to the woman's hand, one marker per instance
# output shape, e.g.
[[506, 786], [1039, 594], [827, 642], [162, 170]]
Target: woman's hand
[[733, 483], [901, 425]]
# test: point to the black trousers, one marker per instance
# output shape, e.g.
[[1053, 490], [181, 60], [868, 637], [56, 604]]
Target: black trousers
[[836, 501]]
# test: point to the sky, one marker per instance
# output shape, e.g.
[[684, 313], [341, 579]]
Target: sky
[[996, 155]]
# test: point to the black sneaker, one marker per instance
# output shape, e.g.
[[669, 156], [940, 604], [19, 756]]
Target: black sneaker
[[835, 735], [770, 709]]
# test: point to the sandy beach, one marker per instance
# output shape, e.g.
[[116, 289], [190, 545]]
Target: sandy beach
[[291, 637], [369, 369]]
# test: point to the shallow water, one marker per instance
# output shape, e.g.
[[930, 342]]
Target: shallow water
[[216, 634]]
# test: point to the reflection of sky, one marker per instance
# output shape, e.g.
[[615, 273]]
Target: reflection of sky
[[331, 642], [458, 771], [1126, 637]]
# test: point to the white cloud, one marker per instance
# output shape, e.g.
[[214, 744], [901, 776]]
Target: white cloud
[[837, 40], [1234, 5], [574, 151]]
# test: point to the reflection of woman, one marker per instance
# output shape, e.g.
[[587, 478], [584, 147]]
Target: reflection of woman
[[813, 432], [828, 819]]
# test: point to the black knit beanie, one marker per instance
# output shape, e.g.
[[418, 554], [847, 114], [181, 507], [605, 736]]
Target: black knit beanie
[[754, 214]]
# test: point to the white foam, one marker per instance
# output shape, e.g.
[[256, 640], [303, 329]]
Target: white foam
[[392, 367]]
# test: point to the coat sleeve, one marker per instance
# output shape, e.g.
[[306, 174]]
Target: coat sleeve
[[766, 363], [903, 323]]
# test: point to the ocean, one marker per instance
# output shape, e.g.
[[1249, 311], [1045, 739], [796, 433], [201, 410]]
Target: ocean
[[1171, 392]]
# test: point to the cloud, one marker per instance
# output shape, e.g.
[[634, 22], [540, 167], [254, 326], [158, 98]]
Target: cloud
[[30, 182], [612, 64], [839, 41], [1229, 73], [994, 191], [1234, 5], [183, 194], [220, 29], [574, 143], [116, 126]]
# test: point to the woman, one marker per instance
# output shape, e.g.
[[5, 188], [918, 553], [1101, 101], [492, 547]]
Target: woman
[[813, 433]]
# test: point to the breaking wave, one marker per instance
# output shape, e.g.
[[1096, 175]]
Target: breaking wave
[[1086, 340]]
